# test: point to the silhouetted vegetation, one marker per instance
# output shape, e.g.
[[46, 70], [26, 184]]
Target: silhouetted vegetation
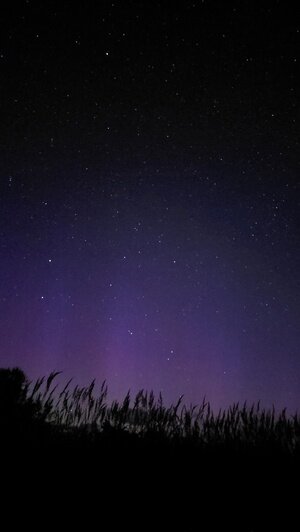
[[226, 464], [82, 413]]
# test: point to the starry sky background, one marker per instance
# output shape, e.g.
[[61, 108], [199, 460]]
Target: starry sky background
[[149, 198]]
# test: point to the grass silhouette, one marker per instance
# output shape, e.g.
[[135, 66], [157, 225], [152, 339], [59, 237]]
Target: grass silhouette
[[78, 412], [235, 469]]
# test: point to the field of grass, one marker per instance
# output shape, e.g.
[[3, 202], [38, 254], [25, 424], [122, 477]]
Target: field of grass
[[83, 412], [239, 467]]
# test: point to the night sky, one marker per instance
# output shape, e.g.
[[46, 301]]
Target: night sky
[[148, 196]]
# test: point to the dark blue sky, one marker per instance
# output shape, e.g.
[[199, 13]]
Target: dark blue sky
[[149, 197]]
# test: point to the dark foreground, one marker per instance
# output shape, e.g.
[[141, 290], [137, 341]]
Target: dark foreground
[[165, 473]]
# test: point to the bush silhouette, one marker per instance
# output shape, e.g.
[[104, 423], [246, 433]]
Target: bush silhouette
[[20, 415], [13, 386]]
